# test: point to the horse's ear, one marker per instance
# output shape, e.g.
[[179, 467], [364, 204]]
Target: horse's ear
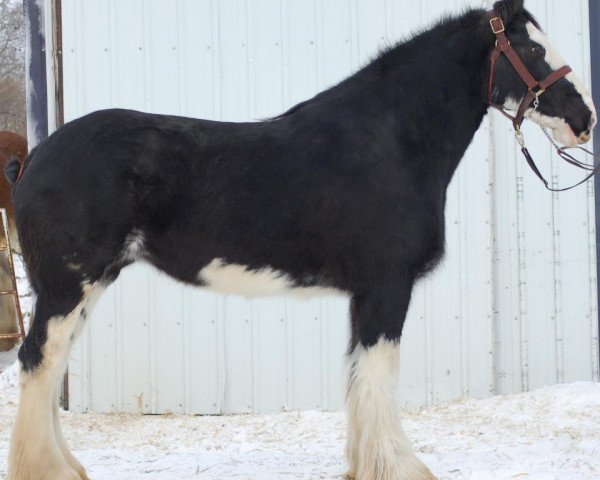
[[508, 9]]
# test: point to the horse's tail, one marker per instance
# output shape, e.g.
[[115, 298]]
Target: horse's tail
[[14, 167], [12, 170]]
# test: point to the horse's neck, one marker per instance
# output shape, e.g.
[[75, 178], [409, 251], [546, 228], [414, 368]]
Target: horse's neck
[[436, 89]]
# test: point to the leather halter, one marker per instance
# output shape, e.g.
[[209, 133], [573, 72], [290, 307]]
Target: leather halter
[[534, 88]]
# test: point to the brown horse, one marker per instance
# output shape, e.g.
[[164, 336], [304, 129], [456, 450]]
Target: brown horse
[[12, 145]]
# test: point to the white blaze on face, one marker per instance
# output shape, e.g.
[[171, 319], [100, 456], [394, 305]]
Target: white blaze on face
[[562, 132]]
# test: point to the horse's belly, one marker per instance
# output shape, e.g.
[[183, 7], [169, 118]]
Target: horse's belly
[[223, 277]]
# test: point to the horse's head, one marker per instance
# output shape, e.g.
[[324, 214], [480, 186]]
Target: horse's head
[[566, 106]]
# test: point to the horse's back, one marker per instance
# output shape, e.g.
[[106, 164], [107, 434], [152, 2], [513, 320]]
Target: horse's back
[[105, 178]]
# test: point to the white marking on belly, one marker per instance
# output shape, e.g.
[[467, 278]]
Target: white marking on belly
[[222, 277]]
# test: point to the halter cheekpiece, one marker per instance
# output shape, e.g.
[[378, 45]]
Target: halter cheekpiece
[[534, 89]]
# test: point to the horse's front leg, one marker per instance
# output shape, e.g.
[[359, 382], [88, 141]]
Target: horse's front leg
[[377, 447]]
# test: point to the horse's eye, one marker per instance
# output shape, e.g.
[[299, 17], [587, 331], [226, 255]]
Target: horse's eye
[[538, 51]]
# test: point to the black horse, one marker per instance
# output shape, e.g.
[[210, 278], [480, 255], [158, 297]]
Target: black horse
[[344, 192]]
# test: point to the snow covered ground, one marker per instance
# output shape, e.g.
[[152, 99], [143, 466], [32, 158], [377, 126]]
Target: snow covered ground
[[552, 433], [549, 434]]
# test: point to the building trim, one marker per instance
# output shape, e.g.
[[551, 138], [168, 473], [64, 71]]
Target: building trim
[[595, 69]]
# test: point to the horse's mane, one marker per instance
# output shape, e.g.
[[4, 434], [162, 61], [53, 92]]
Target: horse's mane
[[381, 56], [384, 51]]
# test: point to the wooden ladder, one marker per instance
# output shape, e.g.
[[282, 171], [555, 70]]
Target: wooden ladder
[[14, 292]]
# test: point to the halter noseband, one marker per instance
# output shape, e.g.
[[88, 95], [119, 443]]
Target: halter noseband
[[534, 90]]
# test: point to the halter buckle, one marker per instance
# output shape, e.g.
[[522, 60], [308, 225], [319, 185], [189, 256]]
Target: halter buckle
[[497, 25]]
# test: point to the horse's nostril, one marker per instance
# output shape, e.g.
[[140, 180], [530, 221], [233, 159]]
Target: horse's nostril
[[584, 137]]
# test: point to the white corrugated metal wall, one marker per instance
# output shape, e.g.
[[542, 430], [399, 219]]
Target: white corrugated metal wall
[[512, 307]]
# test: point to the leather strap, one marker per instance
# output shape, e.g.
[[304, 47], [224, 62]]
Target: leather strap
[[568, 158]]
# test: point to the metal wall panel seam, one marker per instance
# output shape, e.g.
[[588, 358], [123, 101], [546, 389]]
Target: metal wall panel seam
[[319, 44], [70, 58], [218, 115], [147, 57], [118, 323], [222, 367], [250, 60], [389, 26], [185, 374], [249, 12], [289, 357], [463, 281], [216, 50], [426, 285], [492, 205], [285, 55], [255, 327], [354, 40], [514, 259], [86, 344], [522, 278], [80, 59], [286, 100], [182, 45], [557, 318], [323, 394], [556, 368], [151, 323], [428, 297], [152, 347], [252, 110]]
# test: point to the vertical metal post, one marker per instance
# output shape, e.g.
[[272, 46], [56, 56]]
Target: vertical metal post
[[594, 7], [36, 84]]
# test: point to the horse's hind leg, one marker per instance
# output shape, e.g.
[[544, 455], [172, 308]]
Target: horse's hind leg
[[89, 304], [38, 451], [60, 440]]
